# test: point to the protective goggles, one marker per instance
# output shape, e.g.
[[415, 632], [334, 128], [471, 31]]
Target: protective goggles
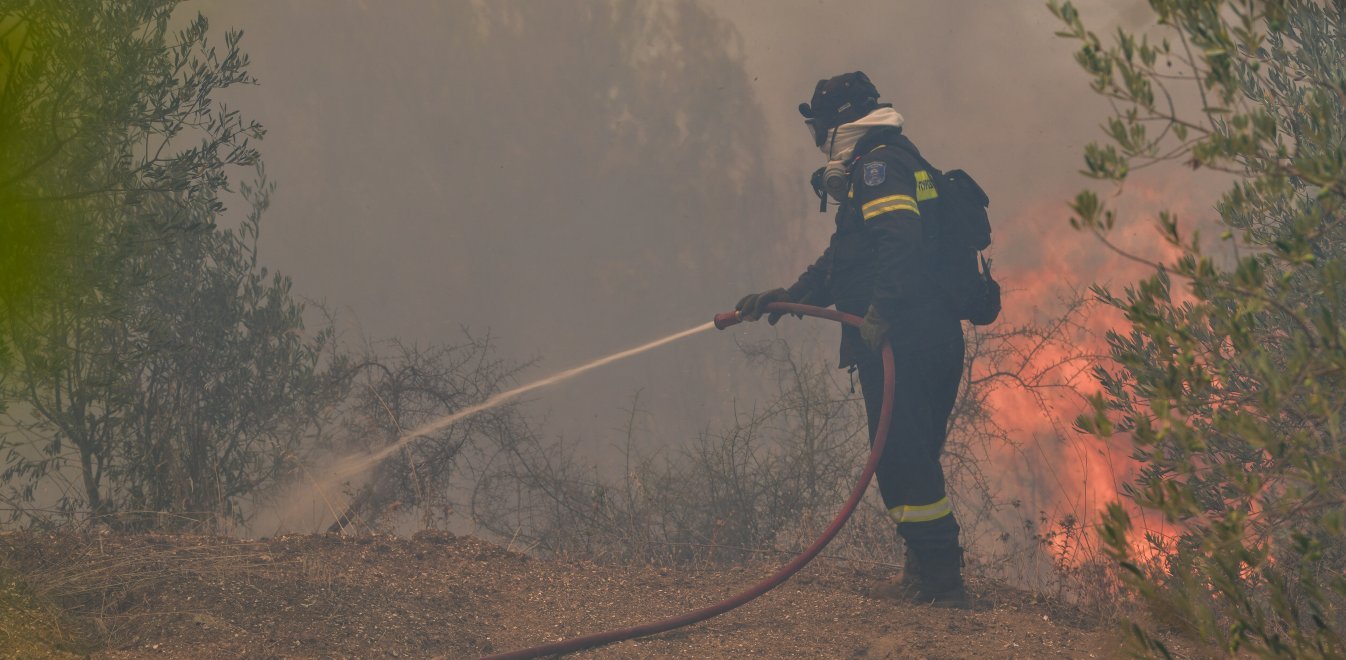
[[818, 131]]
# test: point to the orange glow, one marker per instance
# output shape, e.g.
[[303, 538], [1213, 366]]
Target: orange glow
[[1067, 473]]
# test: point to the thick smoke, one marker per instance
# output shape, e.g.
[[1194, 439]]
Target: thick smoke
[[581, 177], [576, 177]]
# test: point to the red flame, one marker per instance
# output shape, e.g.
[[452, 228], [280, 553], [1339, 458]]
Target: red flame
[[1069, 474]]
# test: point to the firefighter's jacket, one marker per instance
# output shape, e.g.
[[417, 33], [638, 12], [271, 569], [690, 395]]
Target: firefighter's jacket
[[880, 252]]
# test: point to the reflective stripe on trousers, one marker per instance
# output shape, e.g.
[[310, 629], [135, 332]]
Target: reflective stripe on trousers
[[909, 513]]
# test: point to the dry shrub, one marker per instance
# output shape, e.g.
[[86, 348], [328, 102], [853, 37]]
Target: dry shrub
[[771, 480]]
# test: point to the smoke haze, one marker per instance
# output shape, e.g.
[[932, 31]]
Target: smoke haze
[[581, 177]]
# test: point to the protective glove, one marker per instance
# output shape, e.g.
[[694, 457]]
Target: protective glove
[[753, 305], [874, 330]]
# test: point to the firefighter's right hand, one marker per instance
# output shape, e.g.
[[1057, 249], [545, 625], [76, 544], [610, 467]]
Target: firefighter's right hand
[[753, 305]]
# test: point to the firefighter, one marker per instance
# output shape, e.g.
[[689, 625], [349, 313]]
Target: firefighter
[[877, 265]]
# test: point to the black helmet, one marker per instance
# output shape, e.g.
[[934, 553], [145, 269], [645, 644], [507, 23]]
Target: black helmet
[[838, 100]]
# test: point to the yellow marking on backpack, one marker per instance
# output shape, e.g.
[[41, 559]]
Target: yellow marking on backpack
[[925, 187]]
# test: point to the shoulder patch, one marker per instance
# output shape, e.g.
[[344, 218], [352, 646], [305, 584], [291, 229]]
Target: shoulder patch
[[925, 187], [875, 172]]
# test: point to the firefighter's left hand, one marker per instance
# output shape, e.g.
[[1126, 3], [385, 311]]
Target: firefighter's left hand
[[753, 305], [874, 330]]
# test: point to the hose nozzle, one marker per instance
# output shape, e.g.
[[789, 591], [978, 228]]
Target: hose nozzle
[[727, 319]]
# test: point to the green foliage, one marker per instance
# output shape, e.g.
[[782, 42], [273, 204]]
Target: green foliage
[[153, 366], [1230, 379]]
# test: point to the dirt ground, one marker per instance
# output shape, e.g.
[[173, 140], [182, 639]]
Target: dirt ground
[[440, 596]]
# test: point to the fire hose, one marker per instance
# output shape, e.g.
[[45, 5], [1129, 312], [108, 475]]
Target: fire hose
[[723, 321]]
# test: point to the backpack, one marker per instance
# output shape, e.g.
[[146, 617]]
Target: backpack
[[954, 220]]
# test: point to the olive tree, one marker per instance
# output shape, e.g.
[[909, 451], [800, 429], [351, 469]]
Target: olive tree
[[1229, 381], [153, 365]]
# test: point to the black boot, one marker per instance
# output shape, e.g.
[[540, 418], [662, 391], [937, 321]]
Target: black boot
[[942, 578], [906, 587], [940, 557]]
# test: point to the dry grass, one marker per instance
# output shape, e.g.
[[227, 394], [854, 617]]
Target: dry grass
[[436, 595], [86, 589], [30, 628]]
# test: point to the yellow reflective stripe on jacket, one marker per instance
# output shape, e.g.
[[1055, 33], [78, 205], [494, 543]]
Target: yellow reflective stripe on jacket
[[921, 513], [925, 188], [890, 203]]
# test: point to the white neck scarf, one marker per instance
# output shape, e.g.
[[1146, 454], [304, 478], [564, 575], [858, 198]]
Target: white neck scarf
[[840, 146]]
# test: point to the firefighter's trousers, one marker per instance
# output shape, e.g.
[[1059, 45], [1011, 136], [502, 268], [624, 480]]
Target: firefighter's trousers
[[909, 473]]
